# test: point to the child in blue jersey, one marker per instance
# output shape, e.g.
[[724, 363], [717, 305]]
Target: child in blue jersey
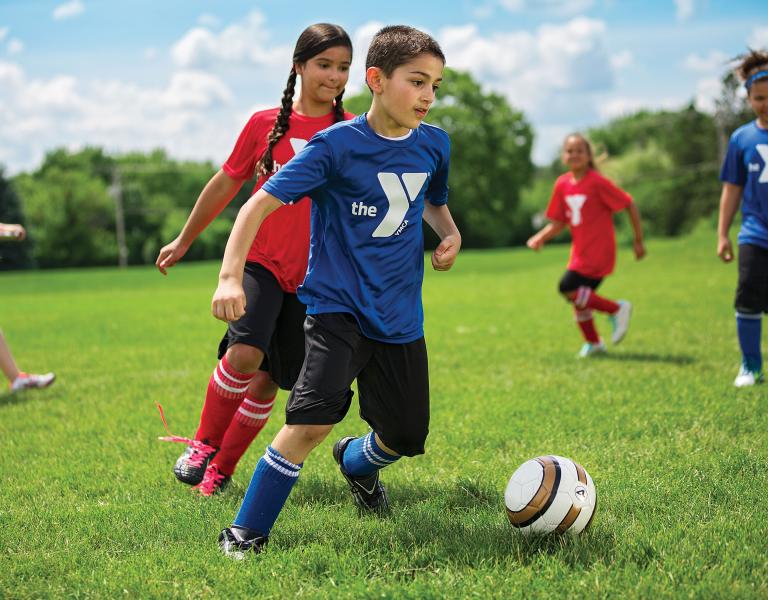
[[745, 176], [371, 180]]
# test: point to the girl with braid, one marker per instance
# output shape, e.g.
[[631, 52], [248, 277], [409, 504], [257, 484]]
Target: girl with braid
[[264, 349]]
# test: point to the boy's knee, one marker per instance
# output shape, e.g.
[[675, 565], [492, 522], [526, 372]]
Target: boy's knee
[[407, 442], [310, 434]]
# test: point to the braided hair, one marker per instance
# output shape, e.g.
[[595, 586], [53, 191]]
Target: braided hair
[[313, 40]]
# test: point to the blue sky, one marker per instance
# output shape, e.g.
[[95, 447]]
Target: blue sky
[[186, 74]]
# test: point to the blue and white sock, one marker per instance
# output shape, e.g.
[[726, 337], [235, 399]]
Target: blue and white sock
[[364, 456], [272, 482], [749, 328]]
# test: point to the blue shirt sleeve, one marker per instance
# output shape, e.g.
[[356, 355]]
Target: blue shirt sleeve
[[308, 170], [437, 192], [733, 170]]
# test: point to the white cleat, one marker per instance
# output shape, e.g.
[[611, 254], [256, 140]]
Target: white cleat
[[588, 349], [747, 378], [620, 321], [28, 381]]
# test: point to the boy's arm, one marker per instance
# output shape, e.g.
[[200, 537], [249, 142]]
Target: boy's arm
[[13, 231], [440, 220], [228, 302], [549, 231], [637, 227], [217, 193], [730, 198]]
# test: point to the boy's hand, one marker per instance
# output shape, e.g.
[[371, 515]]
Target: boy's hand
[[170, 255], [445, 254], [535, 243], [639, 249], [724, 249], [228, 302]]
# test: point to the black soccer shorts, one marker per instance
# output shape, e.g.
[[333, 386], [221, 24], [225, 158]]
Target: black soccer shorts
[[573, 280], [752, 290], [273, 323], [392, 379]]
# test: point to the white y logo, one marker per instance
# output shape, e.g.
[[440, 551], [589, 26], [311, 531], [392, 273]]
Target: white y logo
[[575, 202], [762, 149], [398, 194], [297, 144]]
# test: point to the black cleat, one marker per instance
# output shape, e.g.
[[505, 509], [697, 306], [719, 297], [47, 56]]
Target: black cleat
[[236, 541], [191, 465], [368, 492]]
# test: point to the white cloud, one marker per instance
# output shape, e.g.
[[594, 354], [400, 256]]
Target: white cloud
[[684, 9], [150, 53], [244, 43], [207, 20], [482, 11], [707, 90], [555, 7], [3, 33], [619, 106], [361, 39], [715, 61], [15, 46], [759, 38], [68, 10], [622, 60]]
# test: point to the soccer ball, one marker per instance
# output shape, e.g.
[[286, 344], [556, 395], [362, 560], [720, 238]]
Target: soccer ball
[[550, 493]]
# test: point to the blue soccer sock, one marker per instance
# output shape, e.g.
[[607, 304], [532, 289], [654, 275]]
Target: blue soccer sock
[[272, 482], [363, 456], [749, 328]]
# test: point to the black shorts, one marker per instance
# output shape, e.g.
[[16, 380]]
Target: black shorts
[[273, 323], [752, 291], [572, 281], [393, 381]]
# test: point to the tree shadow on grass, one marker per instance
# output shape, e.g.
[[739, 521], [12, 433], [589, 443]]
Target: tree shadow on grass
[[673, 359]]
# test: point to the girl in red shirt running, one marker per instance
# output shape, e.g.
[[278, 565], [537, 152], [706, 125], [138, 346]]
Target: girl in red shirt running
[[264, 349], [585, 201]]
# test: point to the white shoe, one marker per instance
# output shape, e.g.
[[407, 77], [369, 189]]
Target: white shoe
[[588, 349], [27, 381], [620, 321], [747, 378]]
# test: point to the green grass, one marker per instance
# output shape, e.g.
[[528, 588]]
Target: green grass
[[89, 506]]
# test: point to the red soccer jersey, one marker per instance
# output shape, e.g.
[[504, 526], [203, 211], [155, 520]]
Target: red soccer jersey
[[282, 243], [588, 206]]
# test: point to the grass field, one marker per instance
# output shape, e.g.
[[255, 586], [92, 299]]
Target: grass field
[[89, 506]]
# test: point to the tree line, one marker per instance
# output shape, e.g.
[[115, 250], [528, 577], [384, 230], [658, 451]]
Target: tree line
[[89, 208]]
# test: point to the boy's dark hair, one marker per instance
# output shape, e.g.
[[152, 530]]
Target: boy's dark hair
[[751, 61], [395, 45], [313, 40]]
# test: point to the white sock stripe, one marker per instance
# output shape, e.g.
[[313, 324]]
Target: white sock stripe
[[252, 415], [280, 468], [583, 315], [373, 456], [259, 405], [282, 460], [229, 388], [232, 377], [756, 317]]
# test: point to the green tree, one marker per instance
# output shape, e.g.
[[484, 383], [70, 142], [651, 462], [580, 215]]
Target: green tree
[[13, 255]]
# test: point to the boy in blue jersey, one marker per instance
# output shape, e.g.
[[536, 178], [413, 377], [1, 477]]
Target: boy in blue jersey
[[371, 181], [745, 175]]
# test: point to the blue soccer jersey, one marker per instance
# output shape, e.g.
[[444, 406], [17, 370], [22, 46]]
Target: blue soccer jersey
[[366, 249], [746, 165]]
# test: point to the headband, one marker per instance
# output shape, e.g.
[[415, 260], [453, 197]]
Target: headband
[[759, 75]]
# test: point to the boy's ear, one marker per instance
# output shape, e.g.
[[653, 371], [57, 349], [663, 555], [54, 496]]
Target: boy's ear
[[374, 77]]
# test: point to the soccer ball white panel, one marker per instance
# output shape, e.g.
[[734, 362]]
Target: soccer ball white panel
[[523, 485]]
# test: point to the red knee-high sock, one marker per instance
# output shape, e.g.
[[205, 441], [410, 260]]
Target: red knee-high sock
[[226, 390], [249, 420], [587, 298], [587, 325]]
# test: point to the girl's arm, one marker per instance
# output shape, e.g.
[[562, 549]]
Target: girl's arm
[[637, 227], [229, 299], [217, 193], [440, 220], [553, 229], [730, 198]]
